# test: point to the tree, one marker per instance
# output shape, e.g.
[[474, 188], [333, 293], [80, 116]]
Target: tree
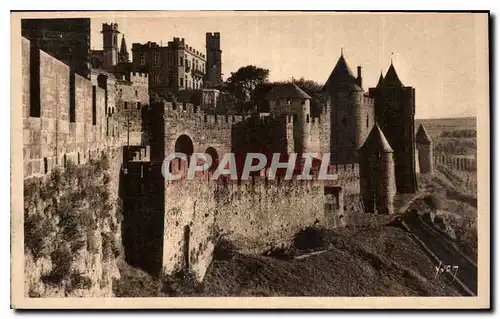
[[243, 82]]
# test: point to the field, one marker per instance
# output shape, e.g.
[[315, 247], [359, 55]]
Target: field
[[451, 136]]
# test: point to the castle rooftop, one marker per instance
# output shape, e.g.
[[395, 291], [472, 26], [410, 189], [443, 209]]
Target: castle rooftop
[[380, 80], [391, 78], [376, 141], [341, 74], [422, 136], [287, 90]]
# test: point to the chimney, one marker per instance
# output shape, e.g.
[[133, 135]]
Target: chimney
[[360, 79]]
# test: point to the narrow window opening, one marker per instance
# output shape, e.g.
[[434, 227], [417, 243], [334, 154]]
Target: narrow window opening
[[35, 108], [72, 97], [94, 105]]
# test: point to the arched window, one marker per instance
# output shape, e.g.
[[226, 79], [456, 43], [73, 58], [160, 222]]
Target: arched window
[[215, 157]]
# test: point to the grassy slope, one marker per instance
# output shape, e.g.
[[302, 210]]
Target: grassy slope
[[381, 261]]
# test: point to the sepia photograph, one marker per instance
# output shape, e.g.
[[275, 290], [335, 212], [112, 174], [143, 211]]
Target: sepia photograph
[[170, 159]]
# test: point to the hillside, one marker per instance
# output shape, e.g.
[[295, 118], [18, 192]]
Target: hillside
[[380, 261]]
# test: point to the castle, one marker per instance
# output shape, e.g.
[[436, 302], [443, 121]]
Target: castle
[[174, 225]]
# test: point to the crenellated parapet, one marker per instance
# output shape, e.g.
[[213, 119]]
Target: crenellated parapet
[[68, 117]]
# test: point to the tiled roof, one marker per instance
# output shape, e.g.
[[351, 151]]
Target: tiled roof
[[287, 90]]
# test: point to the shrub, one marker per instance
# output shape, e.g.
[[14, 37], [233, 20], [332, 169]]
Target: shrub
[[310, 238], [78, 281], [465, 230], [70, 225], [181, 283], [282, 253], [224, 249], [433, 202], [38, 235], [61, 265], [92, 243], [107, 246]]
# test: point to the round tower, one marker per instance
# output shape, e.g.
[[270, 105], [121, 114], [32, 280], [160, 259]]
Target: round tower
[[352, 114], [376, 170], [424, 149], [289, 100]]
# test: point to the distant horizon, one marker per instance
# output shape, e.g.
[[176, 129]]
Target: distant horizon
[[440, 55], [447, 118]]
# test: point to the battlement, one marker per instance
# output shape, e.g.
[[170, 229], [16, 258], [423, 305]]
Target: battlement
[[148, 45], [110, 27], [315, 120], [181, 111], [137, 78], [66, 116], [180, 43], [137, 153], [214, 35], [345, 174], [368, 100]]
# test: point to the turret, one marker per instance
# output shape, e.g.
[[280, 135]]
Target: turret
[[424, 148], [110, 44], [352, 114], [380, 80], [123, 55], [214, 59], [289, 100], [395, 114], [376, 173]]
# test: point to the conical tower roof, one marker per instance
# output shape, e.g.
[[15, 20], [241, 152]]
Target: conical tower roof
[[422, 136], [287, 91], [341, 74], [123, 46], [376, 141], [391, 78], [380, 80]]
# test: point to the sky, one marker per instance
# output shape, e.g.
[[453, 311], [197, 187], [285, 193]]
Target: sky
[[443, 56]]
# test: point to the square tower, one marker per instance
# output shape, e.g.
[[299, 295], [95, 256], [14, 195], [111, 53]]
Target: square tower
[[395, 114], [214, 59]]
